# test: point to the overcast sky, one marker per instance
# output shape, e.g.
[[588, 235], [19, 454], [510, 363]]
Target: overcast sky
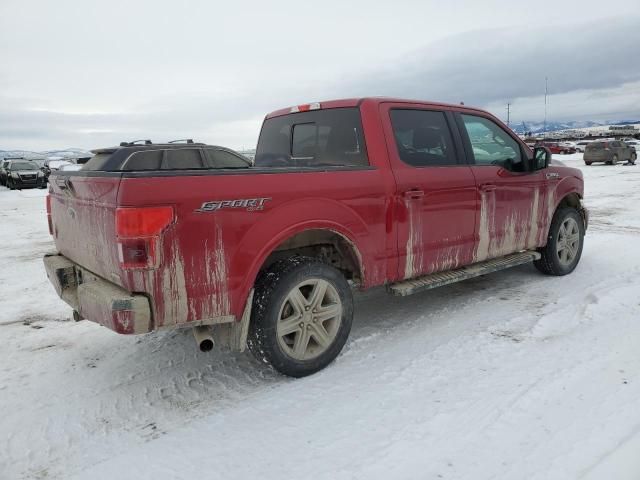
[[82, 73]]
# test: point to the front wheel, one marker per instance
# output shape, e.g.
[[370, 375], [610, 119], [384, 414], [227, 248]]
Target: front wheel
[[301, 318], [563, 250], [11, 185]]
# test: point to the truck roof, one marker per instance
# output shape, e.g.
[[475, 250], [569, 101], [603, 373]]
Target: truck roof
[[354, 102]]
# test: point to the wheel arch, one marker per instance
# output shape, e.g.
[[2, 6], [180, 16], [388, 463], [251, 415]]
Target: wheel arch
[[327, 243], [327, 240], [567, 194]]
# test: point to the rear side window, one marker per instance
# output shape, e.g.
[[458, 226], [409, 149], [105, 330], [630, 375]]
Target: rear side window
[[144, 160], [319, 138], [422, 138], [183, 159], [218, 158]]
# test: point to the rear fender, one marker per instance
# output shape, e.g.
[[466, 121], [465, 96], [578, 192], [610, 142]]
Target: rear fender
[[287, 221]]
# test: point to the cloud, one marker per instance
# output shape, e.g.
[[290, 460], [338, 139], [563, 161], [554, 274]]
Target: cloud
[[484, 66], [592, 69]]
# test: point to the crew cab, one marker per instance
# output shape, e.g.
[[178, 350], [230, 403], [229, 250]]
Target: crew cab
[[345, 194]]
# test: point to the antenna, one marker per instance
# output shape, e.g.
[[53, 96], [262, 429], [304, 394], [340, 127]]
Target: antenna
[[546, 91], [508, 113]]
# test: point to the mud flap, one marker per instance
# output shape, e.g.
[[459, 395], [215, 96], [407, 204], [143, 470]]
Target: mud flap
[[234, 335]]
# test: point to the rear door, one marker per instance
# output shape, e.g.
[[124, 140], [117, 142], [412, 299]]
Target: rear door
[[435, 190], [512, 209]]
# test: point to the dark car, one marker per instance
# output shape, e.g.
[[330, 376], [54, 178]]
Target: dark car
[[24, 174], [609, 152]]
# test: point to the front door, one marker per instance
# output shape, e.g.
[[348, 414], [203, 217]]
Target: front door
[[435, 197], [512, 201]]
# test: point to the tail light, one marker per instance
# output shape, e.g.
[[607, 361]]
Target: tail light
[[49, 221], [138, 231], [606, 145]]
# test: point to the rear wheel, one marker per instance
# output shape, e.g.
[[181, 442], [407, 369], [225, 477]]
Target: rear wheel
[[587, 163], [563, 250], [301, 318]]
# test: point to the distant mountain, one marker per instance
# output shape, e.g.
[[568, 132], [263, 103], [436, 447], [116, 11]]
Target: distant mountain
[[52, 154], [539, 127]]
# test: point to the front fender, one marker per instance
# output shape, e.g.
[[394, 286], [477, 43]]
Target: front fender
[[559, 191]]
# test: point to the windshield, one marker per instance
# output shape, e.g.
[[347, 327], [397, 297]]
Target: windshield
[[24, 166]]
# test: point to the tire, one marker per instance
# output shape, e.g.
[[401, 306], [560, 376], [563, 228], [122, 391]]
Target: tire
[[587, 163], [552, 261], [286, 291], [10, 185], [614, 160]]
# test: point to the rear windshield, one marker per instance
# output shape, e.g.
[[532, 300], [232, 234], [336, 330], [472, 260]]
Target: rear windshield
[[319, 138], [97, 163], [595, 145]]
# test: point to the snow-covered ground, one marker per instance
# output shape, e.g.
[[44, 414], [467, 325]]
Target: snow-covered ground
[[510, 376]]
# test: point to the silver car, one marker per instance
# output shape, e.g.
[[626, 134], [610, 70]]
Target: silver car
[[609, 152]]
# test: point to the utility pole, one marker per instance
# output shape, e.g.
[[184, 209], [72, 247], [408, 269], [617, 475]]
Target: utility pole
[[508, 113], [546, 91]]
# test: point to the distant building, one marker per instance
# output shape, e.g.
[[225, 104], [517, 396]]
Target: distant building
[[629, 130]]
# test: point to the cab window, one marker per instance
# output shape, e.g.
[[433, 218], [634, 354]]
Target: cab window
[[422, 138]]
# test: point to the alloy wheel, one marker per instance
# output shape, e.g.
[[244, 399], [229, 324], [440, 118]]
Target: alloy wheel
[[309, 319]]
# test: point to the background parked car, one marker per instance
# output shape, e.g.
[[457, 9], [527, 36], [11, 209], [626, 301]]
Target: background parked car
[[72, 167], [609, 153], [635, 144], [581, 145], [52, 166], [24, 174], [557, 147]]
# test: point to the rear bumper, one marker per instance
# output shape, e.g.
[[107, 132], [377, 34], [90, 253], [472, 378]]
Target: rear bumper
[[97, 299]]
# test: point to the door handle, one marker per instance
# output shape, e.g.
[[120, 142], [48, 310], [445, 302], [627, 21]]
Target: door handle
[[487, 187], [413, 194]]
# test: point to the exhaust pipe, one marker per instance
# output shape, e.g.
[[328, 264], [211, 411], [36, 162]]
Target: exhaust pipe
[[203, 337]]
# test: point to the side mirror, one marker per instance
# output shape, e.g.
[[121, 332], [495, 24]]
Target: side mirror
[[541, 158]]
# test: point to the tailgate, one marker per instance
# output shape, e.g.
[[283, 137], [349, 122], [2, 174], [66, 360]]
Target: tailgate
[[83, 219]]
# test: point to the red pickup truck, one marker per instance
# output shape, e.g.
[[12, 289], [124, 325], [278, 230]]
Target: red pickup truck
[[342, 194]]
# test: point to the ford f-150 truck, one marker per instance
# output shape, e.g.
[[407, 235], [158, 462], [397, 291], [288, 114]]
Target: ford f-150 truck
[[343, 194]]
